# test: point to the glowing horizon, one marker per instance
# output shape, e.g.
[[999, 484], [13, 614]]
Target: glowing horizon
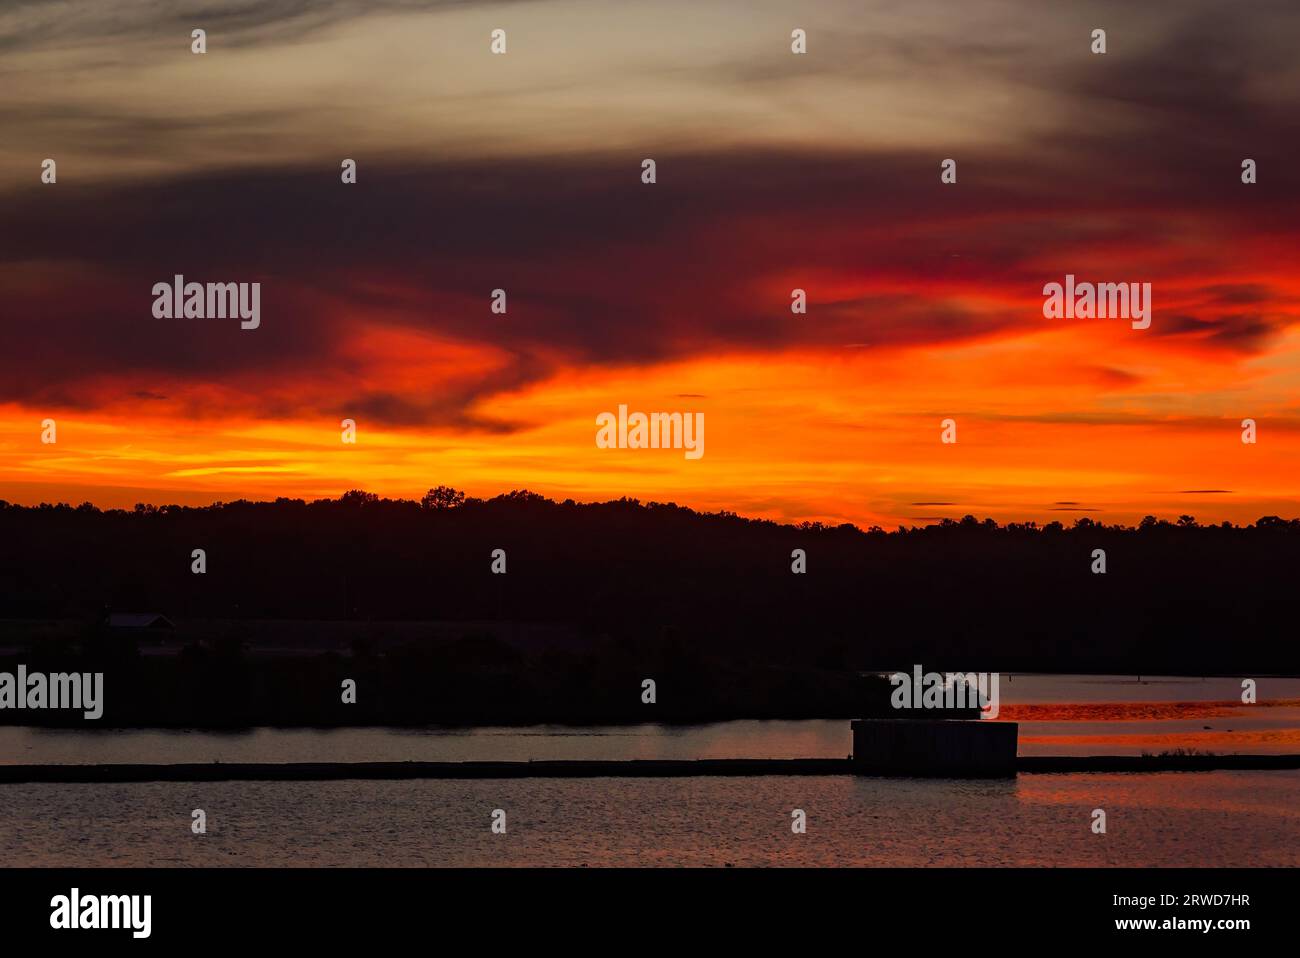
[[775, 172]]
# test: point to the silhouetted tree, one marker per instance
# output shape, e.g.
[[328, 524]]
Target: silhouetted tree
[[442, 497]]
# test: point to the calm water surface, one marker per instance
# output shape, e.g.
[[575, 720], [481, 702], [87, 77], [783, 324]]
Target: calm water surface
[[1162, 819], [1058, 715], [1172, 818]]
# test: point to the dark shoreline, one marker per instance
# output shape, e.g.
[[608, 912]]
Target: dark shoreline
[[638, 768]]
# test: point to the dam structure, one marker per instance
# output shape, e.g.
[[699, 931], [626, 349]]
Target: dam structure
[[900, 748]]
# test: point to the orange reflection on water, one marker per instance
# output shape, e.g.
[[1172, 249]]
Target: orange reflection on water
[[1131, 711], [1223, 742]]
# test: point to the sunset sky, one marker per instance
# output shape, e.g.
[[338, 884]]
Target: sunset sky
[[775, 171]]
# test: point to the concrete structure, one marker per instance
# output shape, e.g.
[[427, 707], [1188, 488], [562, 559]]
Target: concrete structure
[[943, 748], [138, 620]]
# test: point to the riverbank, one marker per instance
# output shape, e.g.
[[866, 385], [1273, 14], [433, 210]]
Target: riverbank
[[637, 768]]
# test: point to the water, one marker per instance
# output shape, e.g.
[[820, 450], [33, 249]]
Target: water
[[1119, 715], [1159, 819], [1058, 715], [1164, 819]]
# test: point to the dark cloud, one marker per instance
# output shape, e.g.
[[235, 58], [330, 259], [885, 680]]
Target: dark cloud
[[1239, 294], [1244, 332], [602, 270], [234, 23], [1197, 93], [1116, 377], [598, 268]]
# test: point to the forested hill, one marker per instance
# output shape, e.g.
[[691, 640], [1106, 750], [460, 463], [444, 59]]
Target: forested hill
[[1174, 596]]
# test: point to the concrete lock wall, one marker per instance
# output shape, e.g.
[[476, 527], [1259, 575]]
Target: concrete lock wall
[[971, 748]]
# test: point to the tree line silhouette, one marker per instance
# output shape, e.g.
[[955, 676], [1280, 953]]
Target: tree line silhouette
[[707, 601]]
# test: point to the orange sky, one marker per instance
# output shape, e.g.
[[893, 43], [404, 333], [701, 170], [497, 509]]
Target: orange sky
[[775, 172], [843, 436]]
